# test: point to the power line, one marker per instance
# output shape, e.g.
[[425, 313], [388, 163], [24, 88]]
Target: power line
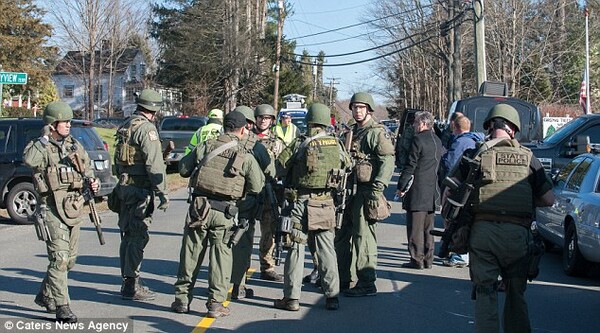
[[370, 59], [361, 23], [372, 48], [333, 11]]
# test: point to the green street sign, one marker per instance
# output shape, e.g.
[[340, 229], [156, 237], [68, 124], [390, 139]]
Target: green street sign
[[13, 78]]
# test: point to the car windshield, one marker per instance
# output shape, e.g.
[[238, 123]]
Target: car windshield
[[564, 131], [88, 137], [181, 124]]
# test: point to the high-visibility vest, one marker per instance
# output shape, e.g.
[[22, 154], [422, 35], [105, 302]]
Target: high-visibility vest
[[290, 134], [208, 131]]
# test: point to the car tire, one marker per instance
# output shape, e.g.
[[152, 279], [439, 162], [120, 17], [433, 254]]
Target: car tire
[[574, 264], [21, 202]]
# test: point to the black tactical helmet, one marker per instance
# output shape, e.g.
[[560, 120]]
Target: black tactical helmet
[[505, 112], [318, 114], [57, 111], [362, 97], [150, 100], [264, 110], [247, 112]]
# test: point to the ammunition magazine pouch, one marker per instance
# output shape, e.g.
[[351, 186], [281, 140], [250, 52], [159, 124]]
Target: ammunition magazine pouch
[[381, 212], [40, 184], [197, 212], [63, 178], [321, 214], [363, 171]]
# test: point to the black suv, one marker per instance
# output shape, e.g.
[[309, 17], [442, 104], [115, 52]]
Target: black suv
[[18, 194]]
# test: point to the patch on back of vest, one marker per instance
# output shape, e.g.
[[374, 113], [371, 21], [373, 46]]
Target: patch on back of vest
[[323, 142], [506, 158]]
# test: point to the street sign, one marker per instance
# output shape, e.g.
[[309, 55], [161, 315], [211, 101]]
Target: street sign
[[13, 78]]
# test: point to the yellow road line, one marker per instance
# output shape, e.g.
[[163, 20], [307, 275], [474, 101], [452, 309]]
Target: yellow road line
[[205, 323]]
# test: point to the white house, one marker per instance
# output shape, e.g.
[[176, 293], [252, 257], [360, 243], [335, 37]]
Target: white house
[[129, 70]]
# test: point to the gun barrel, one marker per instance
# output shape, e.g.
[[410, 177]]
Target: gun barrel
[[436, 232]]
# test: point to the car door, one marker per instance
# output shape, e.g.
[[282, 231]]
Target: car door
[[8, 151], [551, 219], [569, 199], [588, 204]]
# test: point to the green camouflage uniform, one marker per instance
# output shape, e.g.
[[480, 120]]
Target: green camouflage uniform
[[250, 210], [500, 239], [212, 231], [142, 173], [313, 213], [62, 248], [356, 241]]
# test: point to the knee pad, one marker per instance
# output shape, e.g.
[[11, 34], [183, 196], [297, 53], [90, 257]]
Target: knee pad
[[60, 260]]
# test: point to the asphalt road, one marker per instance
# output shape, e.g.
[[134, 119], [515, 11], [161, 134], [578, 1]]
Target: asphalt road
[[433, 300]]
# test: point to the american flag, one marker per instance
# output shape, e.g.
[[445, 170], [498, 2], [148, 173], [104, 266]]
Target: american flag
[[583, 93]]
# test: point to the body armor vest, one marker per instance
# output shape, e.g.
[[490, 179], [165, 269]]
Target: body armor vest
[[128, 153], [503, 188], [64, 182], [273, 144], [315, 161], [222, 175]]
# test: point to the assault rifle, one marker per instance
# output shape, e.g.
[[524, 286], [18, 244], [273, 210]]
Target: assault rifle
[[88, 196], [459, 194], [340, 177], [278, 218]]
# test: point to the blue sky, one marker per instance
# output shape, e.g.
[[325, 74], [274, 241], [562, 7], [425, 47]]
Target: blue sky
[[315, 16]]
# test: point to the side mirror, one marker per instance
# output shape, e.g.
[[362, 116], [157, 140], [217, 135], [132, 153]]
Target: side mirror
[[580, 145], [554, 174]]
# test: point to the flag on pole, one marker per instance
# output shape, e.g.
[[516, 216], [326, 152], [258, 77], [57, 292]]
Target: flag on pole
[[583, 93]]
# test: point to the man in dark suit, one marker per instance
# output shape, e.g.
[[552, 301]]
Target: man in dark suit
[[423, 195]]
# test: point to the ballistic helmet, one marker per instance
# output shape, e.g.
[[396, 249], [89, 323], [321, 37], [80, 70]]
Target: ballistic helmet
[[247, 112], [215, 113], [318, 114], [150, 100], [362, 97], [264, 110], [57, 111], [505, 112]]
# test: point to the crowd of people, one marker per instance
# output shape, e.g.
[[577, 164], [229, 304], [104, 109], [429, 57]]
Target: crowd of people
[[245, 169]]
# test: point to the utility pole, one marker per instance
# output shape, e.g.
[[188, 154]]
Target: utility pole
[[480, 68], [314, 96], [331, 84], [278, 53]]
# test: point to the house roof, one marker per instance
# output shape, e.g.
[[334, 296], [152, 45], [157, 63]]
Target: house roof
[[73, 61]]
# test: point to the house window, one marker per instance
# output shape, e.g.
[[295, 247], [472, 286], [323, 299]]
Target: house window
[[143, 69], [129, 94], [68, 91], [133, 70]]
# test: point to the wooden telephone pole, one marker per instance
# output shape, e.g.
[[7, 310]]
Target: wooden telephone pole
[[278, 53]]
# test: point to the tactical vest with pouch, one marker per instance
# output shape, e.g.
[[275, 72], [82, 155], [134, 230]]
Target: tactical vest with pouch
[[62, 181], [363, 168], [503, 188], [315, 161], [221, 176], [128, 153]]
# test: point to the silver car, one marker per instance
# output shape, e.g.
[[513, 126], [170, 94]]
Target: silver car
[[573, 222]]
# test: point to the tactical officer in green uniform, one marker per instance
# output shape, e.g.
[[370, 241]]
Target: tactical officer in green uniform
[[249, 209], [142, 175], [222, 173], [56, 158], [212, 129], [265, 119], [310, 164], [510, 184], [356, 242]]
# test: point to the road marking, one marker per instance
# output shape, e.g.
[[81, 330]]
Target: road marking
[[205, 323]]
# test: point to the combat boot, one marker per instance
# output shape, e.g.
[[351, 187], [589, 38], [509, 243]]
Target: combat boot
[[135, 290], [241, 292], [359, 291], [46, 302], [216, 309], [312, 277], [287, 304], [65, 315], [179, 307], [332, 303], [271, 276]]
